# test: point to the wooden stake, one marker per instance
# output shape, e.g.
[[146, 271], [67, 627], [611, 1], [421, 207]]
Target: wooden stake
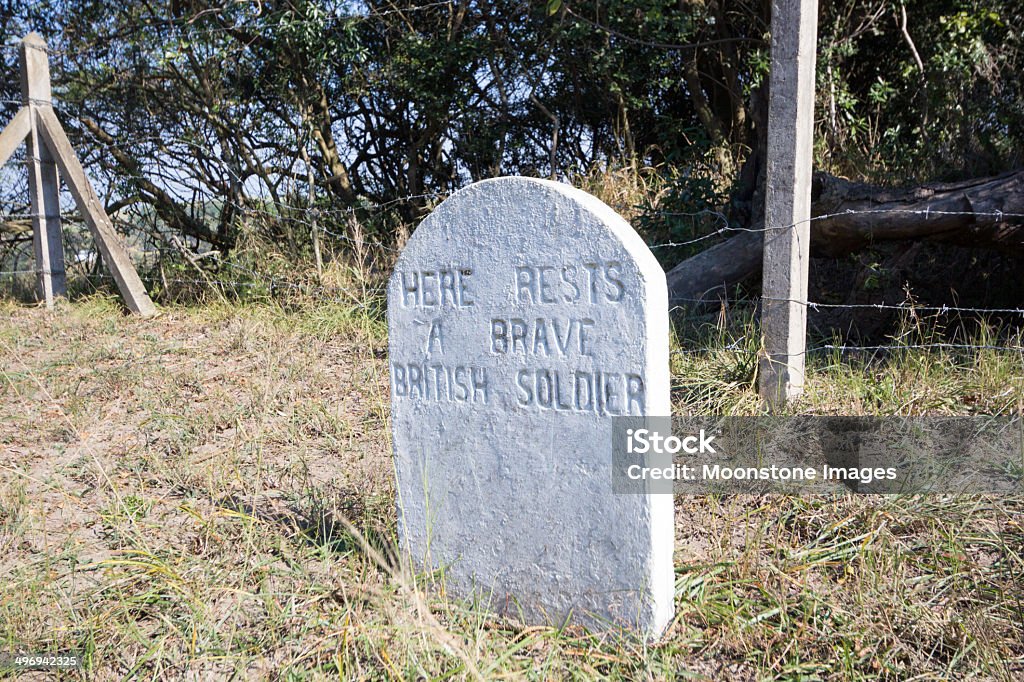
[[43, 183]]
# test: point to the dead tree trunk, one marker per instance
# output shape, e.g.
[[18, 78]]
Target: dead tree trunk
[[850, 216]]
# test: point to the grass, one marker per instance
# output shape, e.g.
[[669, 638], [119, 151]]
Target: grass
[[210, 494]]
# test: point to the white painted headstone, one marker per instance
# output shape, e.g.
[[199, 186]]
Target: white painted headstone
[[524, 315]]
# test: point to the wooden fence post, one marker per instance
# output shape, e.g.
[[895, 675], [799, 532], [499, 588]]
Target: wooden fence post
[[788, 199], [43, 182], [109, 244], [48, 150]]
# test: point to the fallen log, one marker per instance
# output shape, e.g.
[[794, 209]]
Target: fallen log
[[850, 216]]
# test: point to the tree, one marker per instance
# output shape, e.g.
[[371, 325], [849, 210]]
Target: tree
[[208, 119]]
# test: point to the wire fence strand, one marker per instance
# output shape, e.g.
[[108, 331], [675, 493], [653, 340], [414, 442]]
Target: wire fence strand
[[330, 223]]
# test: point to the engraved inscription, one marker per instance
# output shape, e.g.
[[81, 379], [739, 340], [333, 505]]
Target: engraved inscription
[[435, 382], [605, 393], [529, 337], [541, 336], [435, 338], [592, 282], [436, 288]]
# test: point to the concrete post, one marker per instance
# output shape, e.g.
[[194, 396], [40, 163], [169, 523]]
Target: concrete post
[[110, 246], [43, 182], [788, 199], [15, 133]]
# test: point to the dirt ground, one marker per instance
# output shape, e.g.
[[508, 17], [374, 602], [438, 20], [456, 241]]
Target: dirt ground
[[209, 495]]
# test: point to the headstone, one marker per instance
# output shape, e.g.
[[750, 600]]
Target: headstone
[[525, 315]]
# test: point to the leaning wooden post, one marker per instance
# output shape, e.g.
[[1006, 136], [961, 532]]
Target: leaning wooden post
[[113, 252], [43, 182], [788, 199]]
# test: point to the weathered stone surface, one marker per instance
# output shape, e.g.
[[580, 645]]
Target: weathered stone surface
[[524, 315]]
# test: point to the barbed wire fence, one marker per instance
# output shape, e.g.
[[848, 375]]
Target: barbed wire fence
[[176, 270], [222, 276]]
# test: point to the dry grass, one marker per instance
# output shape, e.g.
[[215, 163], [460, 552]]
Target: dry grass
[[625, 188], [210, 495]]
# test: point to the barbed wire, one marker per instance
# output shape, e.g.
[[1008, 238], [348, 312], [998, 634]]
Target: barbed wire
[[301, 213], [843, 348], [275, 286], [27, 100], [70, 216], [357, 297], [926, 212], [908, 307], [242, 175], [724, 226], [254, 203], [914, 346]]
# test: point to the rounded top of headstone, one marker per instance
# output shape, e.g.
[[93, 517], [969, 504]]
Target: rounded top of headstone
[[511, 208]]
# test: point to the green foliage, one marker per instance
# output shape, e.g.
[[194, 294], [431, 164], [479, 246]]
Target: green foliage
[[196, 117], [958, 112], [690, 205]]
